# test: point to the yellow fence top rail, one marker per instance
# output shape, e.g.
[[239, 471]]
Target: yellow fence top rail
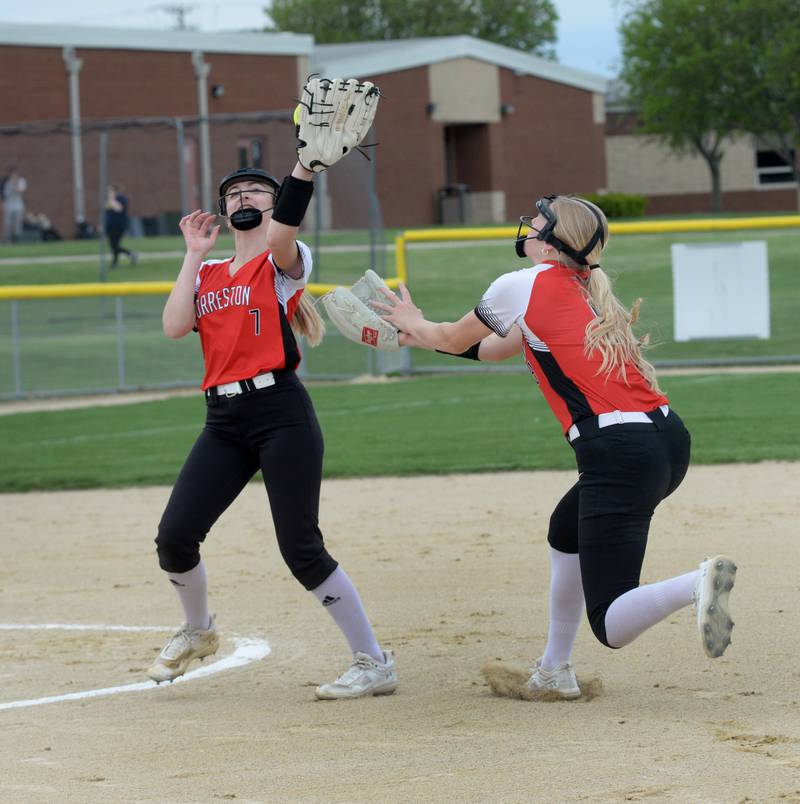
[[14, 292], [633, 227], [83, 290]]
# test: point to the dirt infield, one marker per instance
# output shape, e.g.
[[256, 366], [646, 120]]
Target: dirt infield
[[453, 571]]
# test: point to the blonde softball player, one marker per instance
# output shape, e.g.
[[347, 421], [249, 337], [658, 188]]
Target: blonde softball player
[[259, 415], [631, 447]]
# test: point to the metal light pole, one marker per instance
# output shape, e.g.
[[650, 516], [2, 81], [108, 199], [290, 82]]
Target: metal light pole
[[73, 66], [201, 71], [103, 172]]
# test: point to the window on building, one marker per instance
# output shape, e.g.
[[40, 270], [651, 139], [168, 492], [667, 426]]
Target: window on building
[[772, 167], [252, 152]]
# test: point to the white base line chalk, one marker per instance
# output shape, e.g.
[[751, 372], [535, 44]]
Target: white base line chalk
[[247, 651], [79, 627]]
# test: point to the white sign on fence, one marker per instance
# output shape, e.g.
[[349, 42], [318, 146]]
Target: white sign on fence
[[721, 290]]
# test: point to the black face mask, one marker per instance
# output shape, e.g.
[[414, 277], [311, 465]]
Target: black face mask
[[519, 243], [246, 218]]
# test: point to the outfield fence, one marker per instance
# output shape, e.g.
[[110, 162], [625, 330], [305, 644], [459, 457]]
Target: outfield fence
[[468, 235], [106, 337], [629, 228]]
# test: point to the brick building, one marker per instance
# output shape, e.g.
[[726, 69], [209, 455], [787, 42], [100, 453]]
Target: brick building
[[462, 111], [500, 124], [149, 88]]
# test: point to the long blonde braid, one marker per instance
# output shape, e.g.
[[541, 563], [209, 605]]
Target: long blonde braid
[[611, 332]]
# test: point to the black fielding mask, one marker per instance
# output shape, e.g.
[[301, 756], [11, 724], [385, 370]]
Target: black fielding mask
[[246, 218], [543, 205]]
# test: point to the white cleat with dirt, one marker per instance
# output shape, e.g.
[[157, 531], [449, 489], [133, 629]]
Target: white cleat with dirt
[[365, 676], [560, 680], [187, 644]]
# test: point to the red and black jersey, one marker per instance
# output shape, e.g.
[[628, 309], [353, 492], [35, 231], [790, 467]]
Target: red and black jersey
[[243, 320], [550, 305]]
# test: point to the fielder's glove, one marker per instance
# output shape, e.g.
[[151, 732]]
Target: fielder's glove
[[332, 118], [349, 311]]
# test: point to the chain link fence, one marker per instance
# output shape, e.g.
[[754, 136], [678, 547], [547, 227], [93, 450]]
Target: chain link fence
[[113, 343]]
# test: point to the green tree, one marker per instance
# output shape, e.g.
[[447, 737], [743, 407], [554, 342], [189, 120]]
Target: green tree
[[686, 66], [773, 91], [528, 25]]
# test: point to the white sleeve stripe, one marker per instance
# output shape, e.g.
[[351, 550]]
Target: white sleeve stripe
[[280, 289], [487, 316], [290, 286]]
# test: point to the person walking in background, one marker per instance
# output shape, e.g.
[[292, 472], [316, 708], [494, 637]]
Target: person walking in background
[[13, 195], [631, 447], [259, 415], [115, 223]]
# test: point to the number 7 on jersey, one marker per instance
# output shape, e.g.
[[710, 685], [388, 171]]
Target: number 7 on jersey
[[257, 313]]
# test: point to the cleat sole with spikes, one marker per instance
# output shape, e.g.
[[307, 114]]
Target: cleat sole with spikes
[[717, 577]]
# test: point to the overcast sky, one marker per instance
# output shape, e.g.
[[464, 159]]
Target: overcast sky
[[587, 29]]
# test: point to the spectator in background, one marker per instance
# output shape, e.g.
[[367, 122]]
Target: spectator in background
[[115, 223], [13, 194], [41, 227], [49, 232]]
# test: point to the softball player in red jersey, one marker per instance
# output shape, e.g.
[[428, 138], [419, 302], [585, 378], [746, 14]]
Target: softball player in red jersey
[[632, 449], [259, 417]]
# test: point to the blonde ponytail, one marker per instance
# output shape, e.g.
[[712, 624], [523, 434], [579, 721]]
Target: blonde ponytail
[[611, 332], [307, 322]]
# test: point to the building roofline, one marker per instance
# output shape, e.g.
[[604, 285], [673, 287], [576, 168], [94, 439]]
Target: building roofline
[[91, 37], [365, 59]]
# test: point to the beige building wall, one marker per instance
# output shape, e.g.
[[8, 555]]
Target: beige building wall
[[638, 164], [479, 104], [488, 207], [303, 73], [598, 109]]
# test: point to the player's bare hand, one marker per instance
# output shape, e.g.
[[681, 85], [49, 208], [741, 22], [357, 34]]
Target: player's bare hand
[[402, 312], [199, 231], [406, 339]]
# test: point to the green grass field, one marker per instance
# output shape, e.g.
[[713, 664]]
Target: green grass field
[[71, 344], [475, 423]]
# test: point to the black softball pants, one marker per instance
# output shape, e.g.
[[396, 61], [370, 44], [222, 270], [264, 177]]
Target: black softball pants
[[624, 472], [114, 238], [273, 429]]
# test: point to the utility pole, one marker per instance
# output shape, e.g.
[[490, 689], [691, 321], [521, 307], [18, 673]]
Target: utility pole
[[180, 11]]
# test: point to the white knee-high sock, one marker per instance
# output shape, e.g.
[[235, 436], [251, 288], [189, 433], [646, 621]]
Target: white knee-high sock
[[192, 589], [341, 599], [635, 611], [566, 608]]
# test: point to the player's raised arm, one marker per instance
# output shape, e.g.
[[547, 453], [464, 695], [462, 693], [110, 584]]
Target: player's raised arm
[[332, 119], [291, 204], [200, 235]]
